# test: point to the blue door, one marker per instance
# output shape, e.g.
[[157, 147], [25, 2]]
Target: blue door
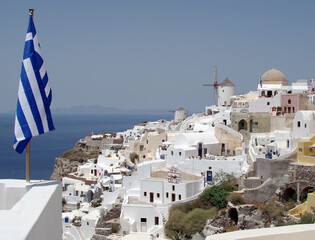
[[209, 176]]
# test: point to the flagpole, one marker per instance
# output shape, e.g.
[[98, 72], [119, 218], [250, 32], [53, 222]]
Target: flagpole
[[28, 146], [28, 162]]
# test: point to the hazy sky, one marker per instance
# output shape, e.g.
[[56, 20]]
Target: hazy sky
[[156, 54]]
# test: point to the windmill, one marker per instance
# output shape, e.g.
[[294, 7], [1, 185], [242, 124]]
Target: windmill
[[214, 85]]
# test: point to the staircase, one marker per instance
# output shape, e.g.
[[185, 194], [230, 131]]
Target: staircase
[[104, 228]]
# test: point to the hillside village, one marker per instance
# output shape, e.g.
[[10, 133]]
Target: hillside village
[[126, 185]]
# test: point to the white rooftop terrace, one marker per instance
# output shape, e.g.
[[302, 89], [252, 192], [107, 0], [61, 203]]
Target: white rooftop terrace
[[293, 232], [30, 210]]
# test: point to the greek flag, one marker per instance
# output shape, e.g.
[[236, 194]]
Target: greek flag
[[33, 115]]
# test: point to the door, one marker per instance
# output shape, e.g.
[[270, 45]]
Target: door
[[200, 149], [143, 224], [151, 197], [209, 176], [173, 197]]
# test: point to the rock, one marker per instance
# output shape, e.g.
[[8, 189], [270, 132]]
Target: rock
[[235, 218], [210, 230], [197, 236]]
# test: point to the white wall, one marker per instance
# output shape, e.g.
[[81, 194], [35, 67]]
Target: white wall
[[37, 215], [197, 167], [134, 213], [305, 118], [184, 189], [261, 104]]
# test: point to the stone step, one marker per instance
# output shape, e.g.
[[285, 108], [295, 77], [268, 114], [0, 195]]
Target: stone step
[[103, 231], [99, 237]]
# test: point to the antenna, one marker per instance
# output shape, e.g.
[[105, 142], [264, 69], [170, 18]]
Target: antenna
[[214, 85]]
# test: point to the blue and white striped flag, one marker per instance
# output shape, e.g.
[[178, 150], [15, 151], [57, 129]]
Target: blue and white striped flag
[[33, 115]]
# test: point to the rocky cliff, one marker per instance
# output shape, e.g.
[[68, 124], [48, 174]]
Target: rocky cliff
[[83, 150], [69, 161]]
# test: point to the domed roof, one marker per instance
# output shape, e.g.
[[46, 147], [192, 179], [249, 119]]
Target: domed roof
[[274, 76]]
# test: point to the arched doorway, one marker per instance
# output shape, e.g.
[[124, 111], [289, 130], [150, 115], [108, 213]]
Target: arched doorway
[[289, 194], [242, 125], [233, 214]]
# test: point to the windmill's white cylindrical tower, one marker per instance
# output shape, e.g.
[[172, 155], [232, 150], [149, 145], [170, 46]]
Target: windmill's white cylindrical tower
[[226, 90], [180, 115]]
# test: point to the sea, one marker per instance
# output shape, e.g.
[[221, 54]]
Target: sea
[[69, 129]]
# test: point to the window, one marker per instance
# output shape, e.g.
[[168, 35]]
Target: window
[[173, 187], [268, 103], [288, 143], [300, 150], [289, 101], [144, 220], [180, 153], [147, 141], [298, 124], [305, 125], [77, 193], [255, 125], [167, 195], [179, 197], [87, 223], [145, 194], [172, 153], [156, 220], [158, 195]]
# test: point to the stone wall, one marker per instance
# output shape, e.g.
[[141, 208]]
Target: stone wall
[[301, 172]]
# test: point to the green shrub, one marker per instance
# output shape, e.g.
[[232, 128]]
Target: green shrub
[[215, 196], [229, 186], [185, 208], [273, 212], [195, 220], [307, 218], [236, 198], [115, 227], [288, 205], [174, 223]]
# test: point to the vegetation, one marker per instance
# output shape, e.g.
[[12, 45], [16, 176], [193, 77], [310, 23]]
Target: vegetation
[[115, 227], [75, 154], [183, 225], [273, 212], [215, 196], [236, 198], [93, 154], [97, 203], [307, 218], [226, 181], [133, 157]]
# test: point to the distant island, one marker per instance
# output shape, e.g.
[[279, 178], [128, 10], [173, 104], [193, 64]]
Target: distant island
[[96, 109]]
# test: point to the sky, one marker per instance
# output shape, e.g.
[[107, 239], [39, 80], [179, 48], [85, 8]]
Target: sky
[[156, 54]]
